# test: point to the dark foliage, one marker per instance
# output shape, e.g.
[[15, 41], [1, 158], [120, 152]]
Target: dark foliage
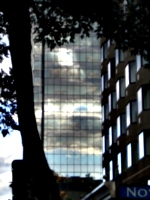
[[8, 104], [57, 22]]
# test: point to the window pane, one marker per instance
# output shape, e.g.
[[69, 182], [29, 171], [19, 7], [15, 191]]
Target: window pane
[[146, 97], [109, 100], [127, 75], [106, 142], [102, 83], [37, 81], [128, 115], [119, 163], [147, 142], [37, 65], [96, 57], [132, 73], [134, 152], [106, 111], [114, 133], [117, 91], [83, 57], [104, 172], [123, 124], [102, 57], [138, 62], [109, 71], [144, 62], [105, 81], [76, 90], [76, 57], [118, 127], [116, 57], [133, 111], [113, 100], [129, 156], [103, 114], [37, 49], [105, 50], [141, 145], [124, 160], [110, 170], [139, 99], [121, 55], [112, 67], [103, 147], [83, 89], [108, 43], [122, 87], [110, 136]]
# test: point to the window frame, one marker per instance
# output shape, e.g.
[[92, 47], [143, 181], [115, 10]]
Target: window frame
[[111, 68], [119, 56], [112, 101], [130, 65], [143, 144], [121, 125], [129, 113], [144, 90], [104, 51], [120, 89], [129, 155]]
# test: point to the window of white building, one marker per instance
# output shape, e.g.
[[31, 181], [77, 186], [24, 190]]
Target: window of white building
[[104, 53], [119, 56], [112, 101], [111, 170], [129, 155], [103, 143], [120, 88], [138, 62], [121, 125], [141, 145], [119, 163], [143, 98], [111, 68], [110, 136], [131, 113]]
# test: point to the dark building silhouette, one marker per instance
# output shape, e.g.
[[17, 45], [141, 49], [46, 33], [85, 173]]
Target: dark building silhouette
[[125, 100], [125, 115]]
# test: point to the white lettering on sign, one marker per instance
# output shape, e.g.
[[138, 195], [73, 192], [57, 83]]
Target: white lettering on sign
[[137, 192], [142, 193], [129, 191]]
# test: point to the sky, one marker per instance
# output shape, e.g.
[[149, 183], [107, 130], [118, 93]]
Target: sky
[[10, 148]]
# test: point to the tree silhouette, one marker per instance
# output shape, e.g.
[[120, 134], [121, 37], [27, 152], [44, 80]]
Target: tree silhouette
[[57, 22], [8, 104]]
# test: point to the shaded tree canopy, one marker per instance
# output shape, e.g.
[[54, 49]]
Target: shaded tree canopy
[[8, 103], [126, 21], [58, 21]]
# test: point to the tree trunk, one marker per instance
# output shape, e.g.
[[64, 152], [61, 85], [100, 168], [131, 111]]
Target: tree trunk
[[20, 48]]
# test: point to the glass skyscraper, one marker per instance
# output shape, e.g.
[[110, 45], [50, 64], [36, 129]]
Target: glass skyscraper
[[67, 103]]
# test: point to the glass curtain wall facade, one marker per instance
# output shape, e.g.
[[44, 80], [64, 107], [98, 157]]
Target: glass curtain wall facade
[[70, 91]]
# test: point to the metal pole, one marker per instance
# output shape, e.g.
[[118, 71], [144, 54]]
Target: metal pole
[[43, 87]]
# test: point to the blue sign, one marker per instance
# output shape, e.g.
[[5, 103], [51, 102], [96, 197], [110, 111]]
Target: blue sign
[[135, 192]]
